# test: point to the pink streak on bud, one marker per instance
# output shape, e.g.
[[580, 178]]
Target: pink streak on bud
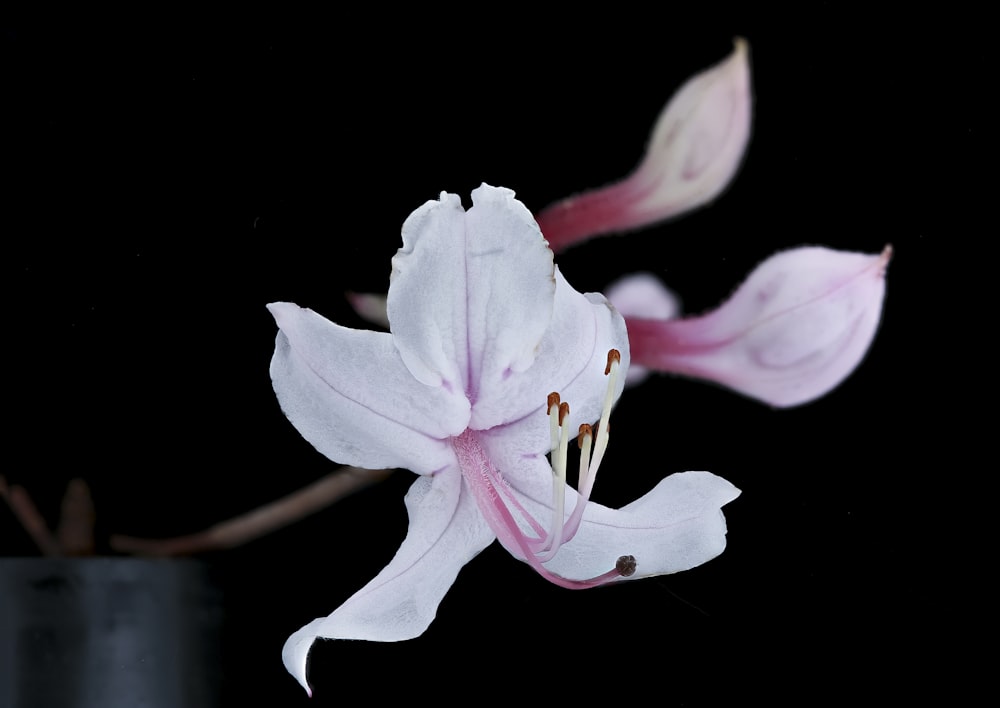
[[796, 328], [693, 153]]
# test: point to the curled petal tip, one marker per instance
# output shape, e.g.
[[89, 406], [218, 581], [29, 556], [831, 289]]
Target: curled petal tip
[[295, 656]]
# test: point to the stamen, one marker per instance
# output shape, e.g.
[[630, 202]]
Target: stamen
[[487, 484], [603, 428], [585, 441], [613, 356], [552, 406], [585, 484], [553, 540], [500, 503]]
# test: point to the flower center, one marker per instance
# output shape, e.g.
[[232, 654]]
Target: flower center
[[507, 516]]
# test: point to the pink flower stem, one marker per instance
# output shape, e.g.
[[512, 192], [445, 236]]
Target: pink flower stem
[[259, 522]]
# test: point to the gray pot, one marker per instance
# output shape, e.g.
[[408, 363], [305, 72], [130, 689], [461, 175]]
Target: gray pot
[[108, 633]]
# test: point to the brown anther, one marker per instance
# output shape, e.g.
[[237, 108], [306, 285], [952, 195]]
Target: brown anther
[[553, 400], [563, 412], [613, 355], [585, 432], [625, 565]]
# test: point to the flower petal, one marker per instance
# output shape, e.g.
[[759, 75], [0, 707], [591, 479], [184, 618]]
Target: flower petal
[[793, 331], [642, 295], [347, 392], [676, 526], [694, 151], [471, 293], [570, 359], [446, 531]]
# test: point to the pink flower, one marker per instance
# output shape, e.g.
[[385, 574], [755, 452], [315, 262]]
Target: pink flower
[[694, 151], [796, 328], [493, 361], [799, 324]]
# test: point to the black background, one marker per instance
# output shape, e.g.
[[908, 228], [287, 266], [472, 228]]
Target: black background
[[170, 178]]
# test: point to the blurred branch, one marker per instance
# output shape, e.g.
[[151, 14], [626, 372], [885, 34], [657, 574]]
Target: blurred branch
[[31, 519], [259, 522], [75, 532]]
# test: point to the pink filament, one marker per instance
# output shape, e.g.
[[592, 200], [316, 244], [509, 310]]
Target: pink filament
[[491, 491]]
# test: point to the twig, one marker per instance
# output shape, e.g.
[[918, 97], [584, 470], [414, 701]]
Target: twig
[[259, 522], [31, 519], [75, 531]]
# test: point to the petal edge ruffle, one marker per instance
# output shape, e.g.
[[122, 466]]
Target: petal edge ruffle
[[471, 292]]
